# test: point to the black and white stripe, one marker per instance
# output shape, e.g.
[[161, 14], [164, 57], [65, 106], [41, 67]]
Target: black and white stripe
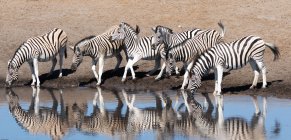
[[192, 48], [98, 48], [38, 49], [170, 40], [233, 55], [137, 48]]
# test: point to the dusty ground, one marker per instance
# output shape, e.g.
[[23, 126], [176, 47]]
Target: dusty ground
[[269, 19]]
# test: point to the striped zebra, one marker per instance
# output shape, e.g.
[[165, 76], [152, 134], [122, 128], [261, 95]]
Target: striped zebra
[[38, 49], [98, 48], [170, 40], [233, 55], [38, 120], [188, 51], [137, 48], [232, 128]]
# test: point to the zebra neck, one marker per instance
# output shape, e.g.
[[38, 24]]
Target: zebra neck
[[203, 64], [175, 40], [130, 41], [20, 57]]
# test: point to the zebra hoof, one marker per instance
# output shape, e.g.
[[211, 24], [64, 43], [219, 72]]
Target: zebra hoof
[[134, 79], [98, 84], [148, 75], [123, 80], [253, 87], [157, 78]]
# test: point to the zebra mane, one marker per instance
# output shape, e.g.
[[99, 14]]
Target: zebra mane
[[15, 54], [163, 27], [130, 27], [84, 39]]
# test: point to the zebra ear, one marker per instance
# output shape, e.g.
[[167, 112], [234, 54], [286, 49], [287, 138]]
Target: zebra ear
[[137, 30], [9, 62], [71, 47], [154, 29]]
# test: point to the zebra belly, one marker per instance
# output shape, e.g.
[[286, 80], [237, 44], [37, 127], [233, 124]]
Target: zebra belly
[[44, 58]]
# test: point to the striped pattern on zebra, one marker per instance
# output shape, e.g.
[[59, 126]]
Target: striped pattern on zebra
[[189, 50], [233, 55], [38, 120], [170, 40], [98, 48], [137, 48], [38, 49]]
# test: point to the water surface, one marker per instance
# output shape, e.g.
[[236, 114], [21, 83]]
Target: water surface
[[86, 113]]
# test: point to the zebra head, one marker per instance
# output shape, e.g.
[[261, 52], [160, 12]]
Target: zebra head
[[170, 64], [194, 82], [122, 31], [77, 58], [161, 34], [12, 74], [79, 51]]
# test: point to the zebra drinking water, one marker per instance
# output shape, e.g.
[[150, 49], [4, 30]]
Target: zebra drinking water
[[190, 49], [98, 48], [137, 48], [38, 49], [233, 55]]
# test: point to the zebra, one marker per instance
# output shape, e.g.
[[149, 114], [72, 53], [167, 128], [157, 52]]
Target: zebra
[[232, 128], [188, 51], [233, 55], [98, 48], [38, 120], [173, 39], [38, 49], [137, 48]]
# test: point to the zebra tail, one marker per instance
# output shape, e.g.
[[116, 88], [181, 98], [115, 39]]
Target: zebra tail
[[220, 24], [65, 52], [274, 49]]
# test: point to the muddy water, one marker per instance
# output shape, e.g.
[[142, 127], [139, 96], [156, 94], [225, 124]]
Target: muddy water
[[86, 113]]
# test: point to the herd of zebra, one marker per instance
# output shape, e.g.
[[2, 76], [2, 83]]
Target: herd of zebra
[[199, 50], [186, 117]]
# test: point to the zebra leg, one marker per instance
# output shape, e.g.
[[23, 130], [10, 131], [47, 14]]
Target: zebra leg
[[263, 70], [119, 59], [94, 68], [161, 72], [157, 66], [186, 75], [101, 66], [61, 54], [125, 71], [219, 70], [135, 59], [215, 80], [35, 65], [32, 73], [256, 73], [54, 62]]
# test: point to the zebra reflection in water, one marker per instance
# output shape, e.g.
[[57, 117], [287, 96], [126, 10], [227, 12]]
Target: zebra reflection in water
[[232, 128], [101, 120], [39, 120]]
